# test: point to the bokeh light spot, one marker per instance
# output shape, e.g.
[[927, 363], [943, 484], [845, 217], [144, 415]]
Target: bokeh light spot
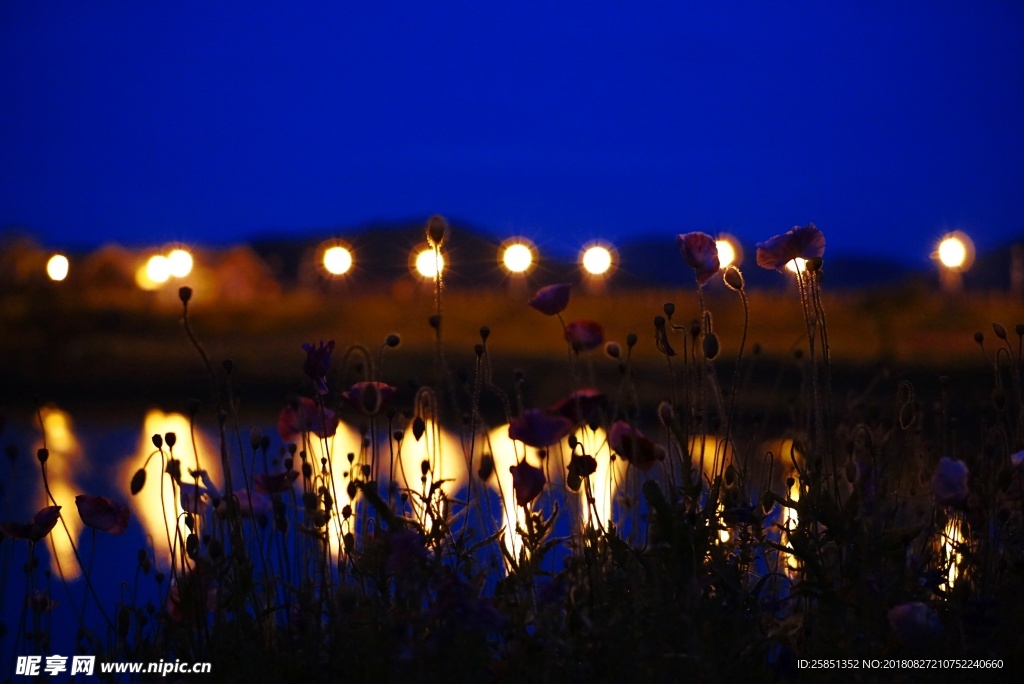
[[57, 267], [337, 260]]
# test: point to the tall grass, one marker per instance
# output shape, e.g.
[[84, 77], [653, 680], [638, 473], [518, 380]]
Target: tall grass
[[599, 537]]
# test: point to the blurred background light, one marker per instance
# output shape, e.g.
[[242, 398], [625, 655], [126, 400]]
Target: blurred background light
[[57, 267], [730, 253], [797, 265], [955, 251], [596, 260], [337, 260], [517, 255], [428, 263], [179, 263]]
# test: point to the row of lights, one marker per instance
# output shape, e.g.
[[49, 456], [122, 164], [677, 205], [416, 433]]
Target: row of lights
[[518, 255]]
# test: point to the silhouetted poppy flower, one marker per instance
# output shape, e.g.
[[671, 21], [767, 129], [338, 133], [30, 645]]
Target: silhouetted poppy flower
[[274, 483], [580, 405], [803, 243], [40, 525], [700, 252], [102, 513], [551, 300], [584, 334], [539, 428], [369, 398], [580, 466], [303, 415], [318, 363], [527, 481], [632, 445], [949, 482]]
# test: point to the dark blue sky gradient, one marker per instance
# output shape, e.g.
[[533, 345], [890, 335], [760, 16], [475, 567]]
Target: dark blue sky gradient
[[210, 122]]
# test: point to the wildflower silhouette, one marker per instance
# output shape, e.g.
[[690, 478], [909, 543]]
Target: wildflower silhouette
[[632, 445], [700, 252], [797, 243], [318, 363], [527, 481], [581, 405], [584, 335], [369, 397], [42, 522], [303, 415], [102, 513], [539, 428], [551, 300]]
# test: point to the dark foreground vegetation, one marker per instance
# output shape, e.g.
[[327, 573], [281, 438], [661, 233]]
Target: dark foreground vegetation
[[613, 538]]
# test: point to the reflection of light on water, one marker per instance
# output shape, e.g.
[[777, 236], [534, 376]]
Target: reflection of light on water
[[445, 459], [147, 503], [604, 481], [66, 460], [952, 538], [507, 453], [336, 449], [790, 520]]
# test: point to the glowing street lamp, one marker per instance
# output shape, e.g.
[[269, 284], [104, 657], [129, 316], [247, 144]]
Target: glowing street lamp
[[729, 251], [337, 260], [428, 263], [179, 262], [597, 260], [955, 254], [158, 268], [57, 267], [517, 255]]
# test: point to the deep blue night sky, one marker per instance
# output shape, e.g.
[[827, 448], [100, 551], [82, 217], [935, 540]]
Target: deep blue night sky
[[209, 122]]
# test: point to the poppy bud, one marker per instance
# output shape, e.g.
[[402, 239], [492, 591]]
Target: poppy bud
[[43, 455], [710, 346], [255, 438], [437, 230], [393, 340], [669, 308], [733, 278], [666, 414], [631, 340], [979, 337], [485, 332], [435, 322], [425, 466], [158, 441], [1019, 329], [170, 439], [486, 467], [612, 349], [138, 481], [999, 330], [418, 428], [184, 294]]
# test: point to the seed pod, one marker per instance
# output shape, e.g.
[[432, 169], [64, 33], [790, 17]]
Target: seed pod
[[999, 330], [733, 278], [710, 346], [437, 230]]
